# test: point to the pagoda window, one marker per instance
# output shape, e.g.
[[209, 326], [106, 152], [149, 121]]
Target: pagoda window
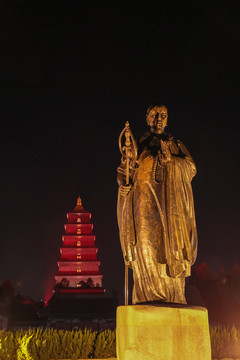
[[78, 231], [79, 256], [79, 243], [79, 270], [79, 220]]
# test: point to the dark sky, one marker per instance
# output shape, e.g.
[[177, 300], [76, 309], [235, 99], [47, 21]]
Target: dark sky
[[72, 73]]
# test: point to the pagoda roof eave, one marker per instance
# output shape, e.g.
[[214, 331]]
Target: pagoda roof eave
[[99, 290], [78, 248], [78, 262], [79, 211], [79, 276]]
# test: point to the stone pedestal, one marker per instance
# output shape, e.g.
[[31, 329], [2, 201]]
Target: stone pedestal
[[162, 332]]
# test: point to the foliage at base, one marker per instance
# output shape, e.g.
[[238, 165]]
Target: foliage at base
[[225, 342], [40, 344]]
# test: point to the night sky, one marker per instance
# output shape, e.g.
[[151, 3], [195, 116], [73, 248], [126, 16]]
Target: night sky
[[72, 73]]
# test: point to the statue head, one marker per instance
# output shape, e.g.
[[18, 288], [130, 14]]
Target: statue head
[[156, 117]]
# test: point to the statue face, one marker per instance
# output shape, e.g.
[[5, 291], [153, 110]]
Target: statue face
[[157, 119]]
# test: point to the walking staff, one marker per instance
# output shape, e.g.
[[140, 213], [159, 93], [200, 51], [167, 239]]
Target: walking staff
[[129, 158]]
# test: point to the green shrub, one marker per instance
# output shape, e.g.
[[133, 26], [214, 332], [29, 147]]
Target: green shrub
[[225, 342], [39, 344], [8, 345], [105, 345]]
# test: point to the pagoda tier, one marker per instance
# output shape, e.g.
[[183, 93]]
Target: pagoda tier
[[78, 240], [82, 267], [78, 269], [73, 253], [75, 279], [78, 229], [74, 218]]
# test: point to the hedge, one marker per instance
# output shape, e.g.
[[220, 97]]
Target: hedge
[[40, 344], [225, 342]]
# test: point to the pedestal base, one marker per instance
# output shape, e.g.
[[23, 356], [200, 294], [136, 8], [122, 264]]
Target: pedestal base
[[162, 332]]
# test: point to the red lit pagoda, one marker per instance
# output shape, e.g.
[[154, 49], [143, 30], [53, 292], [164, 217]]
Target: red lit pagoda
[[79, 267]]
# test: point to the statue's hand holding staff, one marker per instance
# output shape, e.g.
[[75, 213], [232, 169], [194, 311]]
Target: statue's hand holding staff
[[125, 189]]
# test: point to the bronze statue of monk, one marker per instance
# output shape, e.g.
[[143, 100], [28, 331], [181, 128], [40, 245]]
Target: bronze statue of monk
[[156, 215]]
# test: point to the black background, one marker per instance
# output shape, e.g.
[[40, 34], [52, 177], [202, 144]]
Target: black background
[[72, 73]]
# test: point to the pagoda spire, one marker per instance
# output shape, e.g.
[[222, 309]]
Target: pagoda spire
[[78, 207]]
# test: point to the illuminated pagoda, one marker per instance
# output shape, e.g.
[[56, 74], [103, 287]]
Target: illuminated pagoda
[[79, 298], [78, 269]]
